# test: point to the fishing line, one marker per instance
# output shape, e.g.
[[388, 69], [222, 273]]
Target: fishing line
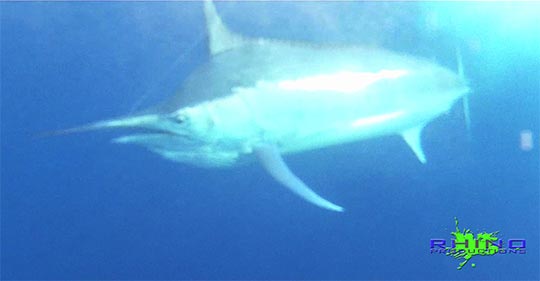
[[167, 73]]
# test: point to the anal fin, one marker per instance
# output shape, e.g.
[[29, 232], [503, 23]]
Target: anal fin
[[272, 161], [413, 138]]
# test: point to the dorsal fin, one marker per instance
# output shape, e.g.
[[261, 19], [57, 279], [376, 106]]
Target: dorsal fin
[[220, 38]]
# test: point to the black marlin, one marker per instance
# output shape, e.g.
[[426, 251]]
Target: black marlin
[[277, 97]]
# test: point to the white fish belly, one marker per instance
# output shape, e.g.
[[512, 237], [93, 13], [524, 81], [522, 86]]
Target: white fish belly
[[304, 120]]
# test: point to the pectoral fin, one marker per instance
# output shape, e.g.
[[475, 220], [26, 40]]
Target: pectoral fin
[[272, 161], [413, 138]]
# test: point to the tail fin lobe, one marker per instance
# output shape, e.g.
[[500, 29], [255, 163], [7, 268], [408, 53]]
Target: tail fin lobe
[[466, 109]]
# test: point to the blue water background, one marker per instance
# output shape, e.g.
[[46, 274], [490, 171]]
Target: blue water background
[[78, 207]]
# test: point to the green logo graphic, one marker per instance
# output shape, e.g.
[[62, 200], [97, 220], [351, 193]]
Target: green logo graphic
[[464, 245], [481, 245]]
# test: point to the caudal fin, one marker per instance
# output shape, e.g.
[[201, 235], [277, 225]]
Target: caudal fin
[[466, 109]]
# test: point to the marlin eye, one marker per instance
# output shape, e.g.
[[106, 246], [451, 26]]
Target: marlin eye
[[179, 118]]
